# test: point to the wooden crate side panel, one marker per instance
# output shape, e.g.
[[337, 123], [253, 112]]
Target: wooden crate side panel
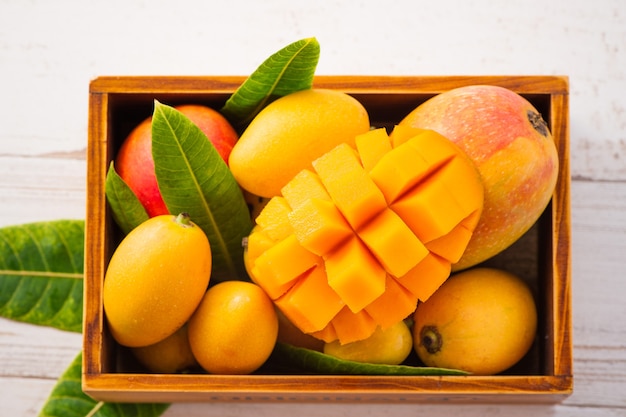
[[562, 297]]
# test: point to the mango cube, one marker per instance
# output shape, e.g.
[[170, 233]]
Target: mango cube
[[392, 242], [273, 218], [350, 326], [429, 210], [395, 304], [304, 186], [276, 269], [355, 274], [319, 226], [371, 146], [426, 277], [348, 184], [311, 304]]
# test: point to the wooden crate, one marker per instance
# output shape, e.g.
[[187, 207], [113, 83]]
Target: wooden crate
[[117, 104]]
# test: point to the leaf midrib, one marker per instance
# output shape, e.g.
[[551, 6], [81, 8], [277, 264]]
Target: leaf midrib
[[42, 274], [221, 243]]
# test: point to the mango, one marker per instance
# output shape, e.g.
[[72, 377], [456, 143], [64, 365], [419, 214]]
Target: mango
[[135, 165], [155, 279], [291, 132], [481, 320], [372, 241], [512, 148]]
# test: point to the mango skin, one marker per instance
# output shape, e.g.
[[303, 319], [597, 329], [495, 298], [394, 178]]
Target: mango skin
[[510, 144], [155, 279], [291, 132]]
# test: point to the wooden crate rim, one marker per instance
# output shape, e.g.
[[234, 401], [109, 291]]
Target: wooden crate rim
[[141, 386], [524, 84]]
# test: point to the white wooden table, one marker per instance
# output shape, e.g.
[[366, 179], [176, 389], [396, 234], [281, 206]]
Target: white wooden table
[[50, 50]]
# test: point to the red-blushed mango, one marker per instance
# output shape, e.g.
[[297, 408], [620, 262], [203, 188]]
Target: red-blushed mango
[[135, 165], [372, 242], [513, 149], [291, 132]]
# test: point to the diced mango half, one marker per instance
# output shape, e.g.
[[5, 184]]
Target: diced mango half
[[348, 184], [319, 226], [353, 244], [371, 146], [304, 186], [311, 304], [355, 274], [276, 269], [273, 218], [392, 242]]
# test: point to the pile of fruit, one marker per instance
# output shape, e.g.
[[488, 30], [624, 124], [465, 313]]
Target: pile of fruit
[[305, 225]]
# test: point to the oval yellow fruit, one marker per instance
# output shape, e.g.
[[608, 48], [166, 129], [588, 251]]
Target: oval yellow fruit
[[482, 320], [155, 279], [291, 132], [389, 346], [170, 355], [234, 329]]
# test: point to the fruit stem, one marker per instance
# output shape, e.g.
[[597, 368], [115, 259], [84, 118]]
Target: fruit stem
[[537, 122], [431, 339], [184, 219]]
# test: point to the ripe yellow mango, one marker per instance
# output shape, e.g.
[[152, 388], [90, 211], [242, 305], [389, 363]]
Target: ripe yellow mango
[[155, 279], [384, 228], [291, 132]]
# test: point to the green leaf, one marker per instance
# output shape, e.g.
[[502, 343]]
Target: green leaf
[[193, 178], [41, 273], [127, 210], [289, 70], [68, 400], [320, 363]]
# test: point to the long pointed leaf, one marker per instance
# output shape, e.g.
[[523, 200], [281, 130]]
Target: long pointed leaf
[[41, 273], [289, 70], [68, 400], [126, 208], [193, 178], [320, 363]]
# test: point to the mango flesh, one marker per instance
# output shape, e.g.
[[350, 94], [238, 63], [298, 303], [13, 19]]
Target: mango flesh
[[291, 132], [511, 145], [369, 250]]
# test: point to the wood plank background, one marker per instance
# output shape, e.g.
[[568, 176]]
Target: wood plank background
[[49, 51]]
